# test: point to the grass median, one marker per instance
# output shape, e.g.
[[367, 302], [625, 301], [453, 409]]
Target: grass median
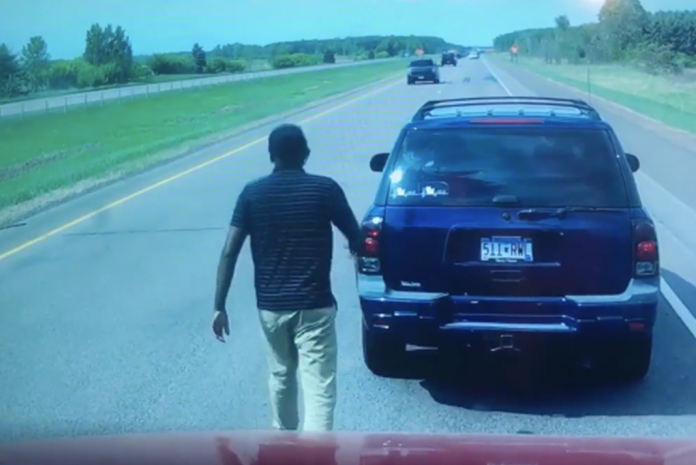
[[671, 100], [47, 153], [253, 67]]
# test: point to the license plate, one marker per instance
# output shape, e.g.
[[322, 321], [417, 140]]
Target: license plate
[[506, 249], [421, 77]]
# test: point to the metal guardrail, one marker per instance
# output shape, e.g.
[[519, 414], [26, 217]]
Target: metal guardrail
[[62, 103]]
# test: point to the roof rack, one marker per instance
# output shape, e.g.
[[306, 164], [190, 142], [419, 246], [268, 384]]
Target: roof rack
[[582, 106]]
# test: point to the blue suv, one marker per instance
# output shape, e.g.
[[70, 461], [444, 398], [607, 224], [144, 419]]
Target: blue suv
[[505, 221]]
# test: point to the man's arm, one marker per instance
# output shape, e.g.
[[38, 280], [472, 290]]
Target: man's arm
[[228, 262], [343, 218], [239, 230]]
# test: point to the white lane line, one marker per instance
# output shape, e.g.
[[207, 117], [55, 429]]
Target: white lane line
[[500, 82], [667, 292], [679, 308]]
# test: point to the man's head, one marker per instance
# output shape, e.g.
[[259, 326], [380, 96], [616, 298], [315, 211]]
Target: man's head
[[288, 147]]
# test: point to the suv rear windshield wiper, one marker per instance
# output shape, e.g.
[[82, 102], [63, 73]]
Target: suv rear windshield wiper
[[534, 213]]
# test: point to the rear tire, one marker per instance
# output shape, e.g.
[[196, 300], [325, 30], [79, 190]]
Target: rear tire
[[630, 362], [383, 354], [436, 81], [409, 82]]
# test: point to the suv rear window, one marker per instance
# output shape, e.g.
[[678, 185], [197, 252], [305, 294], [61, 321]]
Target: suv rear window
[[542, 167], [421, 63]]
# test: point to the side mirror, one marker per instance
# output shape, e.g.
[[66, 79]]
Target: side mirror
[[378, 162], [633, 162]]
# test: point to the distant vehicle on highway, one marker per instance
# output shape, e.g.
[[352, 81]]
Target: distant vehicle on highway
[[474, 55], [509, 223], [424, 70], [448, 58]]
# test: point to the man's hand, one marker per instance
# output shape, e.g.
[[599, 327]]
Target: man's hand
[[228, 261], [221, 326]]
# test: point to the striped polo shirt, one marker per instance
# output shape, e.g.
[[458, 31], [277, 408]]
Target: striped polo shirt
[[288, 216]]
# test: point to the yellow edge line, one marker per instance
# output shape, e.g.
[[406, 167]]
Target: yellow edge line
[[179, 175]]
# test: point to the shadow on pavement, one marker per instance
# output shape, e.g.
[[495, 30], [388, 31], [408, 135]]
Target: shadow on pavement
[[684, 289], [485, 383]]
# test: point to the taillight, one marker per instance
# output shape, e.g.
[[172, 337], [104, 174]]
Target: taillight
[[368, 259], [371, 243], [645, 249]]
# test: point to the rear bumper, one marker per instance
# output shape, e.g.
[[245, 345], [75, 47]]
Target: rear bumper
[[423, 77], [429, 319]]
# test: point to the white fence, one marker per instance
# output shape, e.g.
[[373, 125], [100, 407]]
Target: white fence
[[62, 103]]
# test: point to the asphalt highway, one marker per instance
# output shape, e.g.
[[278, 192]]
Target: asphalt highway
[[104, 324]]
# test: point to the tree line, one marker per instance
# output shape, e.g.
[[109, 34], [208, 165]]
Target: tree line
[[659, 42], [108, 59]]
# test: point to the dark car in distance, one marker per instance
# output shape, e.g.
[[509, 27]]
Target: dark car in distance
[[423, 70], [509, 223], [448, 58]]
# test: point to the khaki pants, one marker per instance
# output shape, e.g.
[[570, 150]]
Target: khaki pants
[[304, 339]]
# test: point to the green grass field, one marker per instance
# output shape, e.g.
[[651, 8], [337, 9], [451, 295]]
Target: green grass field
[[54, 151], [254, 67], [137, 82], [671, 100]]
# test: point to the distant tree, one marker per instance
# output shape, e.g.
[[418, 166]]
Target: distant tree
[[284, 48], [36, 62], [349, 46], [95, 45], [562, 22], [622, 24], [172, 64], [295, 60], [8, 63], [199, 58], [659, 43], [121, 54], [371, 55], [110, 48], [108, 57], [390, 46], [12, 80], [329, 57], [217, 65]]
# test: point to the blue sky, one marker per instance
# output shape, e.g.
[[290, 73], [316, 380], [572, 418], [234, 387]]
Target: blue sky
[[174, 25]]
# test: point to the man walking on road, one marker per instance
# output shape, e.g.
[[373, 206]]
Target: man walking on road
[[288, 215]]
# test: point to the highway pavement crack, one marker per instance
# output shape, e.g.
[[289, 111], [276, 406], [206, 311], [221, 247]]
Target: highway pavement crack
[[12, 226]]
